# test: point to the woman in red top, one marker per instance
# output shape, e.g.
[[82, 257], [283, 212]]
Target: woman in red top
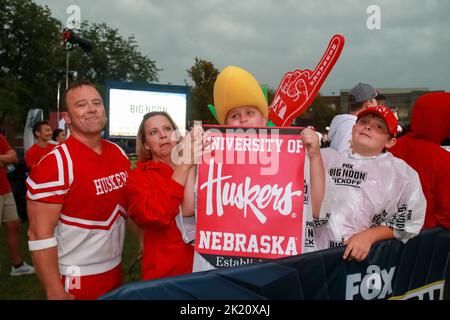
[[155, 190]]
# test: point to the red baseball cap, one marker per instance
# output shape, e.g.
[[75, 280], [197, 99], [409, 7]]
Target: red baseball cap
[[384, 113]]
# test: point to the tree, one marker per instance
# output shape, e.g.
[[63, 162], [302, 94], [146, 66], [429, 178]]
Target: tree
[[31, 52], [112, 57], [270, 94], [319, 114], [323, 113], [29, 45], [204, 75]]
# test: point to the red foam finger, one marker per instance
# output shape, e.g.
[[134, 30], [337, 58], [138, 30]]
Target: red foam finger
[[299, 88]]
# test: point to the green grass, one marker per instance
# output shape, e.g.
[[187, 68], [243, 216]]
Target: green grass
[[28, 286]]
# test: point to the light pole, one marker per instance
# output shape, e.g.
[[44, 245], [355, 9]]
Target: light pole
[[70, 39], [67, 74]]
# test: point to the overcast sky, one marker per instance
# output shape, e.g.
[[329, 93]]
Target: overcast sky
[[272, 37]]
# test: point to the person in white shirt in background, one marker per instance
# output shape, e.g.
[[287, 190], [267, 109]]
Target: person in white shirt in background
[[360, 97], [370, 195]]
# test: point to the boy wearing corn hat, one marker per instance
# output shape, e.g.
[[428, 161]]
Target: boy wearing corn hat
[[240, 102]]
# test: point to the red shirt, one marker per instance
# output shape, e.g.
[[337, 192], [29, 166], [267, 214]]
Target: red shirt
[[91, 188], [36, 153], [420, 148], [154, 199], [4, 183]]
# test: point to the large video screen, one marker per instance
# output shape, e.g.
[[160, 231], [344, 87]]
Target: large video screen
[[127, 103]]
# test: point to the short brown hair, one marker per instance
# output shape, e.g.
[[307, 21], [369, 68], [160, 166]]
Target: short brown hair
[[73, 86], [144, 154], [56, 132], [37, 126]]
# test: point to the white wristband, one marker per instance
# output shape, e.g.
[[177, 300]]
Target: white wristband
[[42, 244]]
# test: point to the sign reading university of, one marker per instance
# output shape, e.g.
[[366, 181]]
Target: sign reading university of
[[250, 195]]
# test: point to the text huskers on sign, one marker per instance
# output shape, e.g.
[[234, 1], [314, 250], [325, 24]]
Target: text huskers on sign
[[250, 194]]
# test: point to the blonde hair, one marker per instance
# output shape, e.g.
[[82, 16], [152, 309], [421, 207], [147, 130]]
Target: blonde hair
[[144, 154]]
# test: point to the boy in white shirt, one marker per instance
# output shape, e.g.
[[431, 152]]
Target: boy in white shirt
[[370, 194]]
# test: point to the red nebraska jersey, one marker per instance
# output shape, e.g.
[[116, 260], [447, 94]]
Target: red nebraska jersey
[[90, 187], [36, 153]]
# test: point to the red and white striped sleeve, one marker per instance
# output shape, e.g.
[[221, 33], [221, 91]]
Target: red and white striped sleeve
[[50, 180]]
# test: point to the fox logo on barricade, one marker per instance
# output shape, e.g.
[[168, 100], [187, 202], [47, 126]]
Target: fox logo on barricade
[[375, 284], [243, 214]]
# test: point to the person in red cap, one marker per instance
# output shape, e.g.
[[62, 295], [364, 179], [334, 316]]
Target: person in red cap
[[421, 149], [370, 195]]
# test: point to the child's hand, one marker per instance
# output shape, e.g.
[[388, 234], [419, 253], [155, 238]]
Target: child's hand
[[310, 139], [358, 246]]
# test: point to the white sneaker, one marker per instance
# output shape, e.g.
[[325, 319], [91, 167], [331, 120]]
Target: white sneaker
[[23, 269]]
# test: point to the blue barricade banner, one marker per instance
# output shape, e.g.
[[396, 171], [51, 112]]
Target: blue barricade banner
[[419, 269]]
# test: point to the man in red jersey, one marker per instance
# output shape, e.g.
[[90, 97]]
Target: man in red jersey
[[77, 205]]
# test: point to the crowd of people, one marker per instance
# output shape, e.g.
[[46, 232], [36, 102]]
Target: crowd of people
[[81, 190]]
